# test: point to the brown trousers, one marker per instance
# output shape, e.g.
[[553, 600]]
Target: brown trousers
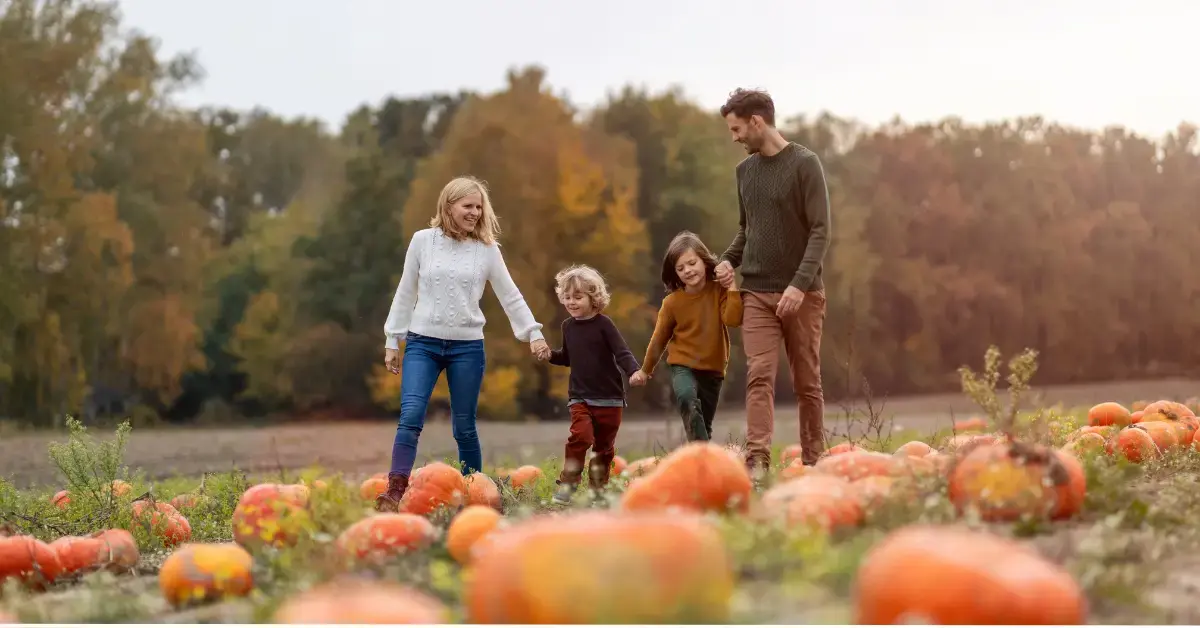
[[593, 427], [800, 334]]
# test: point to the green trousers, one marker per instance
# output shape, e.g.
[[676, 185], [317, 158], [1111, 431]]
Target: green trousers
[[696, 395]]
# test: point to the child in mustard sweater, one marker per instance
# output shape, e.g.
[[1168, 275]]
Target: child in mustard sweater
[[693, 327]]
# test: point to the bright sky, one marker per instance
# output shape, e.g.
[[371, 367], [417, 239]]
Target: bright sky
[[1082, 62]]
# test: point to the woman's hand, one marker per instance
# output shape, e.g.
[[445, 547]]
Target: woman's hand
[[391, 359], [638, 379], [540, 349]]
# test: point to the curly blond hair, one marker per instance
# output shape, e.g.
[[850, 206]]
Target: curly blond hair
[[585, 279]]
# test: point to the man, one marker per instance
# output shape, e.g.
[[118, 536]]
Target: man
[[782, 238]]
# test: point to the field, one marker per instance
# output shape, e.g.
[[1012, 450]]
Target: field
[[1131, 547]]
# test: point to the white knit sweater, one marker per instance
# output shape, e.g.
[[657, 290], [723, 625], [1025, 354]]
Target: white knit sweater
[[441, 286]]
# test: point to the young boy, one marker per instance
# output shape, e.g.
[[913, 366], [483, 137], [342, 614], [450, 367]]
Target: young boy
[[594, 350]]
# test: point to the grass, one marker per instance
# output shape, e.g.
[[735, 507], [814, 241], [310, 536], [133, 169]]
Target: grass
[[1131, 548]]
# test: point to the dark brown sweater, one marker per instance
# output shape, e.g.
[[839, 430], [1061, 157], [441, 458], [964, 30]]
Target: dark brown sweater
[[596, 353], [784, 230]]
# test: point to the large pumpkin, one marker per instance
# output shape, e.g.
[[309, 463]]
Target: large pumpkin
[[270, 514], [433, 486], [382, 536], [29, 560], [951, 575], [200, 572], [1109, 413], [361, 602], [644, 568], [79, 554], [467, 528], [699, 476], [1004, 482]]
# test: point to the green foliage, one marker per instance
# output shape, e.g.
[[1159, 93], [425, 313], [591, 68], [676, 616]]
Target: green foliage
[[981, 388]]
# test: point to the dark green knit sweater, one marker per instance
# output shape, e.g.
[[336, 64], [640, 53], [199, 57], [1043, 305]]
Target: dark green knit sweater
[[784, 221]]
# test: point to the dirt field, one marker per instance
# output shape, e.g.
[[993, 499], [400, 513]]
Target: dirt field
[[361, 447]]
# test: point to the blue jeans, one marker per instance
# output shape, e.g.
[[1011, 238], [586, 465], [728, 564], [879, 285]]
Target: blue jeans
[[424, 360]]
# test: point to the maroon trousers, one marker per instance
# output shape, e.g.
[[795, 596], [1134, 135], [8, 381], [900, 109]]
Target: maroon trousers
[[595, 428]]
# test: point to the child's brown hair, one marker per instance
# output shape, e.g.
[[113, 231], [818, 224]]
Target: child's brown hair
[[683, 242]]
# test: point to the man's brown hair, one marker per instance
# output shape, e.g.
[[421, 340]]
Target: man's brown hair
[[750, 102], [683, 242]]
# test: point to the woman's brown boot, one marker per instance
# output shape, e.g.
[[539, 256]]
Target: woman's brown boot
[[390, 501]]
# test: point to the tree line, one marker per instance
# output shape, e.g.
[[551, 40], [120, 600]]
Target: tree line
[[211, 264]]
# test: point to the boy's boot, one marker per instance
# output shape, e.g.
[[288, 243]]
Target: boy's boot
[[390, 501], [563, 494]]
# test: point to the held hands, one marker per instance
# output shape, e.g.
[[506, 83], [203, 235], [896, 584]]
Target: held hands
[[725, 275], [789, 303], [639, 378], [540, 350], [391, 359]]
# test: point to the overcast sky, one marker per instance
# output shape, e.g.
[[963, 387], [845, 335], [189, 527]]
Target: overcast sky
[[1082, 62]]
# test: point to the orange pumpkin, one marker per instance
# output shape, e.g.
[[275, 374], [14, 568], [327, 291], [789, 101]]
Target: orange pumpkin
[[794, 469], [120, 552], [433, 486], [640, 467], [372, 487], [618, 465], [842, 448], [29, 560], [824, 502], [1165, 434], [914, 448], [78, 554], [950, 575], [973, 424], [790, 453], [185, 501], [699, 476], [525, 476], [1104, 432], [468, 527], [382, 536], [61, 499], [1087, 442], [683, 573], [1005, 482], [1109, 413], [481, 490], [1134, 443], [855, 465], [163, 521], [1070, 494], [198, 572], [361, 602], [1165, 406], [1185, 424], [270, 514], [121, 488], [1136, 416]]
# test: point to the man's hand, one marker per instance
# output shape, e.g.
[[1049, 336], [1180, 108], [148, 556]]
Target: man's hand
[[638, 379], [391, 359], [540, 349], [789, 303], [725, 274]]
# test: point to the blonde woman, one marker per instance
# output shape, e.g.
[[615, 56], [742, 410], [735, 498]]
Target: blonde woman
[[436, 314]]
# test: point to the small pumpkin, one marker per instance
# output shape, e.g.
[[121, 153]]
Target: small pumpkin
[[855, 465], [824, 502], [481, 490], [794, 469], [914, 448], [640, 467], [199, 572], [372, 487], [358, 602], [163, 521], [468, 527], [384, 535], [1134, 443], [1109, 413], [641, 568], [61, 499], [1085, 443], [790, 453], [120, 552], [433, 486], [951, 575], [525, 476], [972, 424], [698, 476]]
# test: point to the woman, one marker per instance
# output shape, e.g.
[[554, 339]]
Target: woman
[[436, 313]]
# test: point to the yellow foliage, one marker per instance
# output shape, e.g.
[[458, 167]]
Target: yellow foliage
[[498, 399]]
